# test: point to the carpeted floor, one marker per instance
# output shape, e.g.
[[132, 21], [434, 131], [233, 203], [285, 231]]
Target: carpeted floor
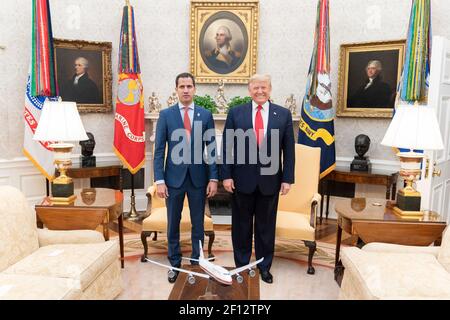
[[148, 281]]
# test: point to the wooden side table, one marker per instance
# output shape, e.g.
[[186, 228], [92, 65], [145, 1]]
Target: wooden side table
[[372, 221], [343, 174], [102, 170], [92, 207]]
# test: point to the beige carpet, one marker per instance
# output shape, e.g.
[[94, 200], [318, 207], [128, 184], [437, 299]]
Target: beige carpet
[[144, 281], [291, 249]]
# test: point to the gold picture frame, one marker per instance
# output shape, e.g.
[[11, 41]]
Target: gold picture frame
[[360, 97], [235, 61], [92, 91]]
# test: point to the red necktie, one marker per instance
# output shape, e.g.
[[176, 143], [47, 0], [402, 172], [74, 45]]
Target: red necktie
[[187, 122], [259, 126]]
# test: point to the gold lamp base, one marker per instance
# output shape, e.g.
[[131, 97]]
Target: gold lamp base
[[408, 198], [407, 214], [62, 186], [63, 200]]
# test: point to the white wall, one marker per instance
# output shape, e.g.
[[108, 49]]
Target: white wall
[[284, 51]]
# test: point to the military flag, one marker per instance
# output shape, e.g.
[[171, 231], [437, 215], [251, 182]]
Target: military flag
[[316, 128], [41, 84], [414, 82], [129, 135]]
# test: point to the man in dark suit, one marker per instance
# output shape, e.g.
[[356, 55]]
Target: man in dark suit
[[374, 93], [182, 127], [259, 162], [80, 88]]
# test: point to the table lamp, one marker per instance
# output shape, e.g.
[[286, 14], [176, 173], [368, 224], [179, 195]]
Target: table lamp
[[414, 127], [61, 122]]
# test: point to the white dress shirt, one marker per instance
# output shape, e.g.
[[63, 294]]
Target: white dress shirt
[[190, 112], [369, 84], [75, 81], [264, 114]]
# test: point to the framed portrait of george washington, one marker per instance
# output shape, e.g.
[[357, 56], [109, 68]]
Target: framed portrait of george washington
[[83, 73], [223, 42], [368, 77]]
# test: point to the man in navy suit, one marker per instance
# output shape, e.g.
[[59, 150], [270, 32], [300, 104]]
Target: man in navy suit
[[258, 165], [182, 127]]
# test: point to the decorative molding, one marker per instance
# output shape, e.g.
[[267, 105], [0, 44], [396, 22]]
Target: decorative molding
[[376, 164], [20, 173]]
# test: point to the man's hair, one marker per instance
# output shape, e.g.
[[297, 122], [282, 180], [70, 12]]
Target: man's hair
[[260, 77], [226, 31], [83, 61], [184, 75], [376, 63]]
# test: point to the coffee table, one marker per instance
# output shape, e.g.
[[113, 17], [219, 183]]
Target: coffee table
[[208, 289], [92, 207], [372, 220]]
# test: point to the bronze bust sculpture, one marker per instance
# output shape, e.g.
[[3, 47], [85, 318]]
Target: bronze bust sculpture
[[361, 163], [87, 150]]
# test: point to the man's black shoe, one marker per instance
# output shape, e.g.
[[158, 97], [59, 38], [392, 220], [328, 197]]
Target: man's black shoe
[[266, 276], [172, 275]]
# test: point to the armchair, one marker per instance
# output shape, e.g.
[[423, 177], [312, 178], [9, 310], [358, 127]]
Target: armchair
[[156, 221], [44, 264], [389, 271], [297, 211]]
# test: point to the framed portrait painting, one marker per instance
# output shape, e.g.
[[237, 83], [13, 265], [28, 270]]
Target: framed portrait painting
[[83, 73], [223, 40], [368, 78]]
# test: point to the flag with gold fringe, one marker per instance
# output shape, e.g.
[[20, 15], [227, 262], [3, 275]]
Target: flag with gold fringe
[[316, 128], [413, 85], [129, 135], [41, 84]]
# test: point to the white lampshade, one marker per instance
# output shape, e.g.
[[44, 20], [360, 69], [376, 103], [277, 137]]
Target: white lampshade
[[414, 127], [60, 121]]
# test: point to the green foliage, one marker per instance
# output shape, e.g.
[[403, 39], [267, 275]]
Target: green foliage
[[206, 102], [236, 101]]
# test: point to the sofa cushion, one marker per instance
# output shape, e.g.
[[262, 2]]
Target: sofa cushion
[[48, 237], [157, 221], [18, 232], [28, 287], [444, 253], [293, 225], [397, 275], [80, 262]]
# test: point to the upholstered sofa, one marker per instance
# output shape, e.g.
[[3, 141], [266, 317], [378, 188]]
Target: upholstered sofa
[[388, 271], [44, 264]]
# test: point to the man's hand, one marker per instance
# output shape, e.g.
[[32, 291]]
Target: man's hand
[[211, 189], [285, 187], [162, 191], [228, 184]]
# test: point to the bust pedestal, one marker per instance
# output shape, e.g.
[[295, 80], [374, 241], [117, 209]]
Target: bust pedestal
[[87, 161], [360, 164]]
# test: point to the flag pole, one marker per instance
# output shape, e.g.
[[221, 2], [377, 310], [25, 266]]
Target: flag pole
[[133, 215], [130, 150]]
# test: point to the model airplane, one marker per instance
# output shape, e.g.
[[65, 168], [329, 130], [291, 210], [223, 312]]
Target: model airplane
[[212, 270]]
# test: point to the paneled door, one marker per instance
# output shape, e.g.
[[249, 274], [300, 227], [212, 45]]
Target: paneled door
[[435, 183]]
